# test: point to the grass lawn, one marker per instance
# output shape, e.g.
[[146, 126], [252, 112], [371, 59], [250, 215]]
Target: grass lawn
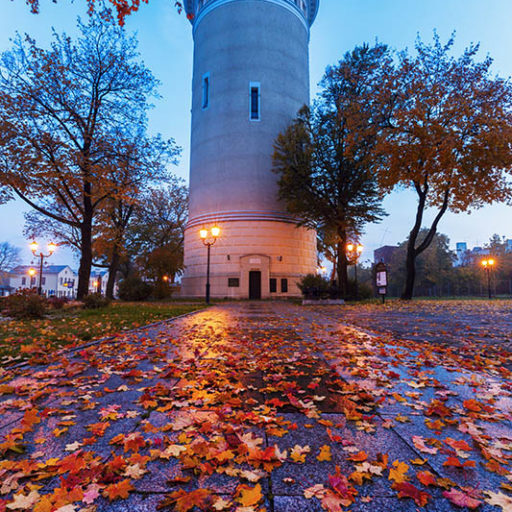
[[35, 339]]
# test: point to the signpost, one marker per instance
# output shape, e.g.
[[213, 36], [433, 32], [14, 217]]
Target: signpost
[[381, 280]]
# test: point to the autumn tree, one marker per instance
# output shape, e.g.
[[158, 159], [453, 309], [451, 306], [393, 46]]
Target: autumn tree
[[155, 236], [69, 115], [123, 8], [142, 163], [326, 159], [449, 137], [434, 267]]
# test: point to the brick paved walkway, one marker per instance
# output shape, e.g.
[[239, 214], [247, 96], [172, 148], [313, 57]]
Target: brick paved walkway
[[258, 406]]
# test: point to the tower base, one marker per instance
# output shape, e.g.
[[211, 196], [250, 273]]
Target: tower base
[[250, 260]]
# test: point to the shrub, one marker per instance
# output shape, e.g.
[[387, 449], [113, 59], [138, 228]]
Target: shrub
[[95, 301], [25, 304], [134, 289], [314, 286], [364, 290], [162, 290], [70, 304], [56, 302]]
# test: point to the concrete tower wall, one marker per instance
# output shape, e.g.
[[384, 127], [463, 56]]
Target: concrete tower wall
[[239, 44]]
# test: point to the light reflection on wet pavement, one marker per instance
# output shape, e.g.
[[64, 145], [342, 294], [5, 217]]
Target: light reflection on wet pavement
[[255, 405]]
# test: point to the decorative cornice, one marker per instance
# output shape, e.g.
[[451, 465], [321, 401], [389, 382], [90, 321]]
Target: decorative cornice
[[197, 16], [240, 216]]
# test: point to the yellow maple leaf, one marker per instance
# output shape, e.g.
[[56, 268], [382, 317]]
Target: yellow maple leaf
[[298, 453], [357, 477], [249, 496], [43, 505], [325, 454], [398, 472]]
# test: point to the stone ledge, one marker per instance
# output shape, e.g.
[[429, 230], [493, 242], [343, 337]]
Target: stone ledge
[[323, 302]]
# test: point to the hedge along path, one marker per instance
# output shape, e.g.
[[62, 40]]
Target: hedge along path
[[256, 407]]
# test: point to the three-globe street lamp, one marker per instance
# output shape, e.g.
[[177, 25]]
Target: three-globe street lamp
[[209, 238], [353, 253], [51, 249], [488, 264]]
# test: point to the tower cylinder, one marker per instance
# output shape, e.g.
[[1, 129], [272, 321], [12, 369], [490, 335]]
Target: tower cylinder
[[251, 76]]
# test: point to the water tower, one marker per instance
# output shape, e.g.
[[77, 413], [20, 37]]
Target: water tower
[[251, 76]]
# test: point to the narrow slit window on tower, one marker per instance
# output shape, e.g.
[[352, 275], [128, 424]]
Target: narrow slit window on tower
[[206, 90], [255, 101]]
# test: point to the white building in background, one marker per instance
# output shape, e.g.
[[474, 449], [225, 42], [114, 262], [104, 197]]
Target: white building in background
[[251, 76], [98, 282], [58, 280]]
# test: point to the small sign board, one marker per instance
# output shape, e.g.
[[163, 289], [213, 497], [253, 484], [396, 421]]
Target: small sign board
[[381, 275], [382, 279]]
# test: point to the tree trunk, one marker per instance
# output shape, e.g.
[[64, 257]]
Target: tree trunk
[[342, 264], [84, 271], [112, 273], [410, 269], [410, 260], [333, 271], [412, 251]]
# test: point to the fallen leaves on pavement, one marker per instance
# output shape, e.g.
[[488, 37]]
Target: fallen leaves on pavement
[[212, 410]]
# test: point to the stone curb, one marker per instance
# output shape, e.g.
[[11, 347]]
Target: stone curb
[[323, 302]]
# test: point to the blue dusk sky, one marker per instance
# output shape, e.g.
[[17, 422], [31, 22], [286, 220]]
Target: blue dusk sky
[[166, 47]]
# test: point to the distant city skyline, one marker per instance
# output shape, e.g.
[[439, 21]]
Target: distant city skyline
[[166, 47]]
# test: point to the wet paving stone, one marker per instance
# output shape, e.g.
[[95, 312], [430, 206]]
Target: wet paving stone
[[215, 400]]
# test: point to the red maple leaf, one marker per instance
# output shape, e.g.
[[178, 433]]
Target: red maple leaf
[[461, 499], [407, 490]]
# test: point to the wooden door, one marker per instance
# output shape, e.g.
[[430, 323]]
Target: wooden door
[[254, 285]]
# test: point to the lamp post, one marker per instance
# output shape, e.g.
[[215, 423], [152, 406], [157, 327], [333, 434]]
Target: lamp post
[[488, 265], [209, 238], [51, 249], [353, 253]]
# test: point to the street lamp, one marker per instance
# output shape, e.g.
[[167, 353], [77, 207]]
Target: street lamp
[[34, 246], [353, 253], [209, 238], [488, 265]]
